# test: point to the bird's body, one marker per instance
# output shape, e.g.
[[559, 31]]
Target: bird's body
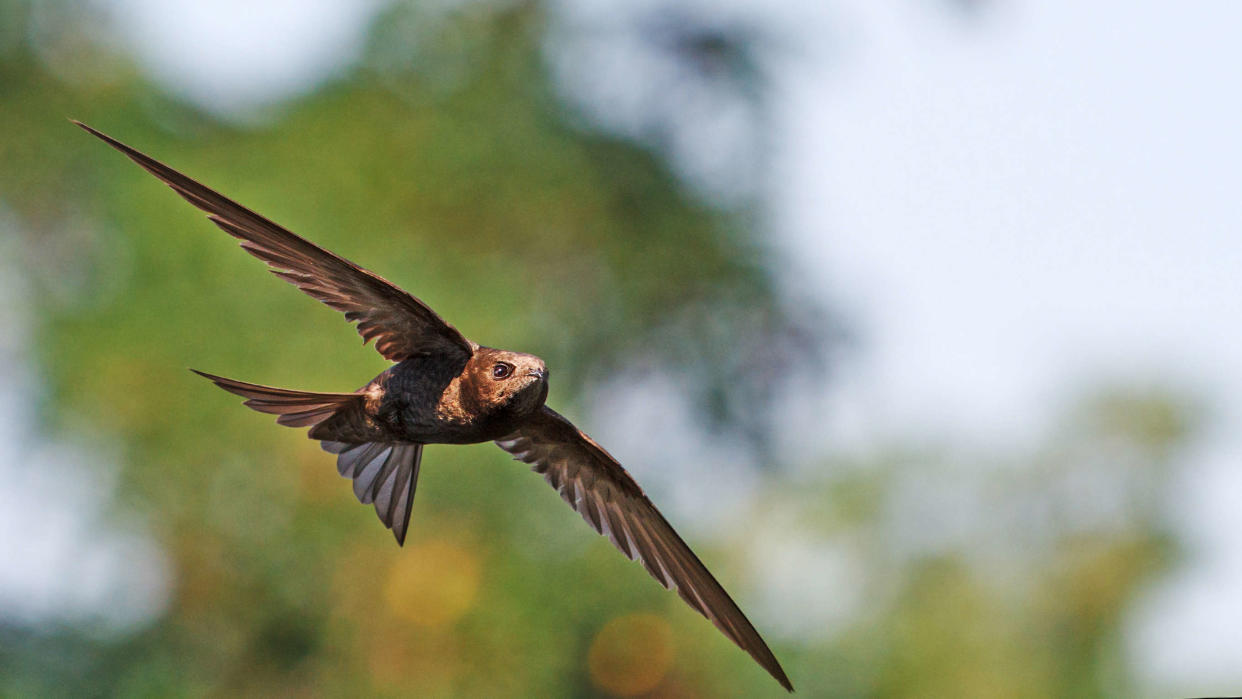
[[445, 389], [427, 400]]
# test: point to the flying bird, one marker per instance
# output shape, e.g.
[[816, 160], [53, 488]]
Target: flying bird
[[445, 389]]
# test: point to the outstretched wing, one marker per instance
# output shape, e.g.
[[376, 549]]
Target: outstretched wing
[[400, 324], [609, 499], [295, 408]]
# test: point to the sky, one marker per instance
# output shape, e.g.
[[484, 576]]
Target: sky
[[1014, 203], [1004, 202]]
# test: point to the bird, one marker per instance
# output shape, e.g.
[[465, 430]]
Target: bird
[[445, 389]]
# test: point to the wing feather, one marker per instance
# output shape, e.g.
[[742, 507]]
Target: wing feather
[[401, 325], [384, 475], [608, 498]]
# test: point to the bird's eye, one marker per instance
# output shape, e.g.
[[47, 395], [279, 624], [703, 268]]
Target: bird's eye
[[502, 370]]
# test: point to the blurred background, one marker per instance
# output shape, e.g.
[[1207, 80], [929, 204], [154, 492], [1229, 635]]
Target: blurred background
[[920, 320]]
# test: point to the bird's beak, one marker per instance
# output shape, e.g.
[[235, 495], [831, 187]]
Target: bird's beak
[[542, 374]]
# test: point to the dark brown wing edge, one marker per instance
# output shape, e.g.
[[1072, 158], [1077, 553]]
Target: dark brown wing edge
[[400, 324], [294, 408], [609, 499]]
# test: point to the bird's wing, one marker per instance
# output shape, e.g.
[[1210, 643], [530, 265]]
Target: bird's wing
[[384, 474], [401, 325], [609, 499]]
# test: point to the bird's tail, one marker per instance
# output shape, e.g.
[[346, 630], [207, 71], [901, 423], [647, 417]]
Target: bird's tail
[[384, 473], [295, 408]]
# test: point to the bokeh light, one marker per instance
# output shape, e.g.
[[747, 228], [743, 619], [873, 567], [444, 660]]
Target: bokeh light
[[631, 654]]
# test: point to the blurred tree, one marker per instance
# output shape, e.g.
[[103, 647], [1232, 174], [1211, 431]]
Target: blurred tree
[[446, 162], [1001, 575]]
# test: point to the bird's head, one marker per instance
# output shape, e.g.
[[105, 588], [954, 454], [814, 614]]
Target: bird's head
[[510, 381]]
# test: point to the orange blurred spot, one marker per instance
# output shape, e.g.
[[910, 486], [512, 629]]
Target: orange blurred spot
[[631, 654], [432, 584]]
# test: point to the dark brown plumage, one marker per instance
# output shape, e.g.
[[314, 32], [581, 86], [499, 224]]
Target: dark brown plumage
[[446, 389]]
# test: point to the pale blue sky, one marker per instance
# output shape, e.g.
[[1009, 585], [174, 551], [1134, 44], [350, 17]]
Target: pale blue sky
[[1011, 206]]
